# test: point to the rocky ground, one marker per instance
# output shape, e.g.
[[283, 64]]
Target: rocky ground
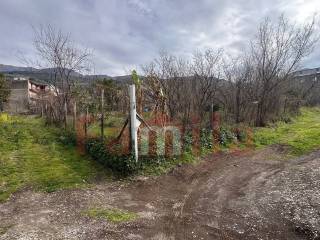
[[248, 195]]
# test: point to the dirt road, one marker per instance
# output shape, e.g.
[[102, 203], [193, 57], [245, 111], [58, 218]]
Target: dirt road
[[252, 195]]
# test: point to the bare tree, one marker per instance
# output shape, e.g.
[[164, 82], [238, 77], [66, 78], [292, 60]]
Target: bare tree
[[237, 93], [65, 60], [276, 53], [168, 76], [206, 70], [185, 88]]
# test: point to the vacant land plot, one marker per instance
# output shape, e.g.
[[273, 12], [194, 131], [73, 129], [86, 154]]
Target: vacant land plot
[[261, 194], [253, 195]]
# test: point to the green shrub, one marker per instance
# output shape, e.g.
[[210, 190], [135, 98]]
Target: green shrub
[[240, 134], [123, 164], [226, 136], [187, 142], [67, 137], [206, 141], [157, 165], [126, 165]]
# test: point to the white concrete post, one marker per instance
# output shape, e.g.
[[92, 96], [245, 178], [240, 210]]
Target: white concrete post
[[133, 121]]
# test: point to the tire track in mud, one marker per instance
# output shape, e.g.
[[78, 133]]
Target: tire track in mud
[[221, 182], [226, 196]]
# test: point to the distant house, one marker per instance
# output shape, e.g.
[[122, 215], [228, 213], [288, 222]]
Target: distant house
[[307, 72], [20, 78], [308, 77], [306, 82], [26, 94]]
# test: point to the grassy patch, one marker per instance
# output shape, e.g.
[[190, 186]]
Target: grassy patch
[[31, 155], [113, 215], [302, 135], [159, 166], [112, 127]]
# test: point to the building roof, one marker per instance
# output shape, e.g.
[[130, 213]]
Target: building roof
[[307, 72]]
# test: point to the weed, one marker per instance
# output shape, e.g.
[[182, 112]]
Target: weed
[[301, 135], [111, 214], [31, 155]]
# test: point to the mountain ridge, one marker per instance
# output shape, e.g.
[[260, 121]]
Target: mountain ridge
[[46, 73]]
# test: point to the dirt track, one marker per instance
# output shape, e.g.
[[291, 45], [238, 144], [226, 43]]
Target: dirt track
[[255, 195]]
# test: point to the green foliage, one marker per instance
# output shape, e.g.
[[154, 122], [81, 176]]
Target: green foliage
[[123, 164], [111, 93], [84, 98], [157, 165], [67, 137], [31, 155], [126, 165], [187, 142], [89, 97], [226, 136], [302, 135], [135, 78], [240, 133], [113, 215], [206, 139]]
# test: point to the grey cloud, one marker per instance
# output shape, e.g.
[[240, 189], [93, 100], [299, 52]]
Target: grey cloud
[[126, 33]]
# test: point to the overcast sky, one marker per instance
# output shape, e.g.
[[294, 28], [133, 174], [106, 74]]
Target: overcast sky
[[124, 34]]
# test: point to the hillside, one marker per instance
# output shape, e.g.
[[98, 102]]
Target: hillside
[[10, 68], [47, 73]]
